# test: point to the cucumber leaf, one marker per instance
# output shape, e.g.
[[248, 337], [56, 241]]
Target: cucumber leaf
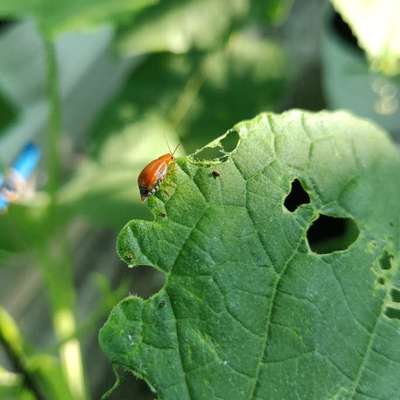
[[251, 307]]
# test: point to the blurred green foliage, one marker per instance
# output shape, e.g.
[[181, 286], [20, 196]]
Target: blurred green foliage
[[133, 76], [55, 17], [155, 98]]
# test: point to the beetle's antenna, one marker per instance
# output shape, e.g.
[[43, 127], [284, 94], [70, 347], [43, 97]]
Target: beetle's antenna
[[165, 137], [176, 148]]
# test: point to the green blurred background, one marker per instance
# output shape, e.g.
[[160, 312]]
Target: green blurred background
[[101, 87]]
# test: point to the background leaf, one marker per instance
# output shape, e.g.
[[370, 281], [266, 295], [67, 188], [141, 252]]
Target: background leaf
[[375, 23], [249, 310], [24, 84], [178, 26], [350, 84], [55, 17]]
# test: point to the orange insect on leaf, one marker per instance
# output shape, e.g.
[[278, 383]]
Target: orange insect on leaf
[[153, 174]]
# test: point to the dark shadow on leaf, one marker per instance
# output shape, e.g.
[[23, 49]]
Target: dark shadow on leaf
[[344, 32], [7, 113]]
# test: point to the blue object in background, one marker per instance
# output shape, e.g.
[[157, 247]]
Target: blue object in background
[[26, 161], [3, 204], [3, 201], [23, 166]]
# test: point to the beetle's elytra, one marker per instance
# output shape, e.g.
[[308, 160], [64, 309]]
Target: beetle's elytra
[[153, 174]]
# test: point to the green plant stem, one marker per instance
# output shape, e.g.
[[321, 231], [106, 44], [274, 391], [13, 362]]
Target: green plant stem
[[54, 128], [57, 271], [19, 366], [54, 257]]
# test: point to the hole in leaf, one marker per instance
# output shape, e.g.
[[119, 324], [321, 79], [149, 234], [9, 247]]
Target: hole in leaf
[[209, 154], [328, 234], [396, 295], [386, 261], [381, 280], [296, 197], [392, 313], [144, 281], [230, 141], [129, 387], [215, 174]]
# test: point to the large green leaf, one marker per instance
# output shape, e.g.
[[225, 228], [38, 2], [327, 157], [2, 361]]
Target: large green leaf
[[56, 16], [248, 310], [376, 25]]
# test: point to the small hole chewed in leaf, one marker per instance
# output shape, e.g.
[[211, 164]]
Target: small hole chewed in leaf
[[128, 257], [220, 150], [395, 295], [209, 154], [328, 234], [128, 386], [145, 281], [381, 280], [392, 313], [230, 141], [296, 197], [386, 261], [215, 174]]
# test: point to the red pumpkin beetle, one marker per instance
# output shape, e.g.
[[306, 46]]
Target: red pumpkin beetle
[[153, 174]]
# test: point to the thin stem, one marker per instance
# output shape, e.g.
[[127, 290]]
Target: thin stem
[[55, 261], [54, 257], [187, 98], [54, 129], [19, 365]]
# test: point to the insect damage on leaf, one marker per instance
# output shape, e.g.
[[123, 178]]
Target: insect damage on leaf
[[297, 196], [249, 310], [328, 234], [220, 149]]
